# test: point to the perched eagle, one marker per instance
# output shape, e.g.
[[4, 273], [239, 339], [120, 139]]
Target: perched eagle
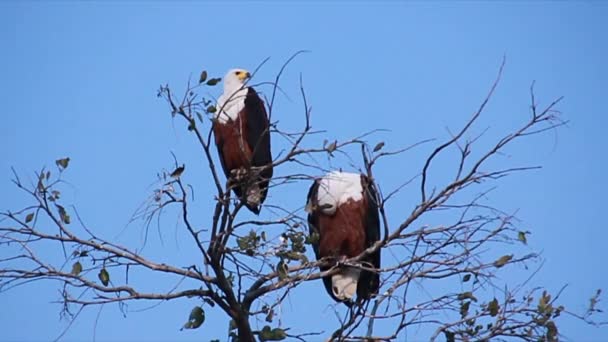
[[343, 221], [242, 136]]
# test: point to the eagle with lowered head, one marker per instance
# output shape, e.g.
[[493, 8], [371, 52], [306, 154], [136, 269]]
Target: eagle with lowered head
[[343, 217]]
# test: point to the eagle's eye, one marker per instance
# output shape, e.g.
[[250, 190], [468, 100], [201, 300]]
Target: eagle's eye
[[237, 73]]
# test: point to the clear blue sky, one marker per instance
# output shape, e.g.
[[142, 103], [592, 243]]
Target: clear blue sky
[[79, 80]]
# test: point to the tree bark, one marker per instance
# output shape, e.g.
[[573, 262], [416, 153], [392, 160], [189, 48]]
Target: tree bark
[[243, 328]]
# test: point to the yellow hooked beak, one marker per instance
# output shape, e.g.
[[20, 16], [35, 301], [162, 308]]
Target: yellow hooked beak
[[243, 75]]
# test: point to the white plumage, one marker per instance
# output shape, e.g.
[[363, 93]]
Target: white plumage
[[344, 284], [232, 101], [337, 188]]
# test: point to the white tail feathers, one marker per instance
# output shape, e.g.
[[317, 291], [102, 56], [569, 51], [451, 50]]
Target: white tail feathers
[[344, 284], [254, 195]]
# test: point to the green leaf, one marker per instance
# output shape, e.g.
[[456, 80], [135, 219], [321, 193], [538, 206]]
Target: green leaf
[[104, 276], [249, 243], [232, 325], [467, 295], [449, 336], [203, 77], [544, 303], [178, 171], [269, 316], [503, 260], [242, 242], [593, 301], [211, 109], [276, 334], [466, 278], [199, 116], [197, 317], [213, 81], [191, 125], [65, 218], [493, 307], [312, 239], [76, 268], [558, 311], [63, 163], [297, 242], [379, 146], [521, 236], [332, 147], [265, 333], [29, 217], [291, 255], [464, 309], [54, 195], [40, 186], [209, 301], [551, 331], [282, 270]]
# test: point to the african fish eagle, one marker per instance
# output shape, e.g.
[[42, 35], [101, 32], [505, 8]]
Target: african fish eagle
[[343, 214], [242, 136]]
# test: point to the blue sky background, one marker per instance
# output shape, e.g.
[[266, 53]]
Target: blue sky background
[[80, 80]]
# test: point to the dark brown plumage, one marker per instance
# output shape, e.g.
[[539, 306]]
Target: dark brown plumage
[[345, 231], [243, 142]]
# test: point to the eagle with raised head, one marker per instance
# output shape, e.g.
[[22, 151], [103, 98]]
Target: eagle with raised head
[[242, 136]]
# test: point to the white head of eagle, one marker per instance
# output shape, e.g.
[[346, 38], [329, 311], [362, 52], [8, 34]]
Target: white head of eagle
[[232, 101], [242, 136], [343, 213]]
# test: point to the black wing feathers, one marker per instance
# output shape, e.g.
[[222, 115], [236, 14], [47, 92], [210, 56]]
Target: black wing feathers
[[258, 139], [258, 130], [313, 227], [369, 282], [313, 220], [219, 143]]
